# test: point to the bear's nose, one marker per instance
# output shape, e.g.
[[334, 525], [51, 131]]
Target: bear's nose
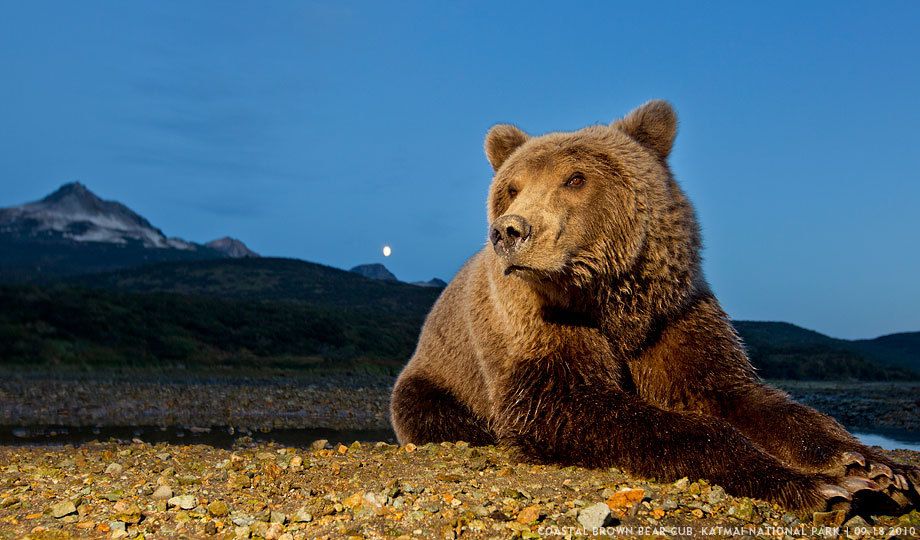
[[508, 233]]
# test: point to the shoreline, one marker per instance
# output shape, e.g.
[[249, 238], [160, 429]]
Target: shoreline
[[339, 401]]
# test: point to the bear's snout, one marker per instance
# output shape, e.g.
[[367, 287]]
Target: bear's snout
[[508, 233]]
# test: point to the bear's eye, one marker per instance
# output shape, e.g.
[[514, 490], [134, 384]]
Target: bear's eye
[[576, 180], [512, 192]]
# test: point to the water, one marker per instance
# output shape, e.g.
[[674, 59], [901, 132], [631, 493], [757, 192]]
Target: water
[[890, 440], [225, 437]]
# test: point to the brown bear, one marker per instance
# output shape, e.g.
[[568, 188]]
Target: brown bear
[[585, 333]]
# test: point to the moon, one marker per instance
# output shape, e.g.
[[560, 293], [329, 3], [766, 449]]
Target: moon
[[387, 251]]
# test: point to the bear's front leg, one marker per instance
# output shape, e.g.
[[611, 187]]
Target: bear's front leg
[[699, 364], [566, 411], [809, 440]]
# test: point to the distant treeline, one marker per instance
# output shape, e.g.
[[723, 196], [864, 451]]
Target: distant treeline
[[355, 324], [91, 329]]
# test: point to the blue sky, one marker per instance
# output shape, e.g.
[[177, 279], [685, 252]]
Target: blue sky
[[324, 130]]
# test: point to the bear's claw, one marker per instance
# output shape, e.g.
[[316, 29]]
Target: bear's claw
[[831, 491], [854, 483], [850, 458], [880, 469]]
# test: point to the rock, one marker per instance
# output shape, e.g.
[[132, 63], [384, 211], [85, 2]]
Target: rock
[[118, 529], [354, 500], [302, 516], [529, 515], [210, 528], [277, 517], [595, 516], [64, 508], [274, 531], [162, 493], [114, 469], [127, 511], [625, 498], [318, 444], [829, 519], [409, 448], [218, 508], [296, 463], [911, 519], [857, 527], [185, 502], [716, 495], [682, 483], [743, 510]]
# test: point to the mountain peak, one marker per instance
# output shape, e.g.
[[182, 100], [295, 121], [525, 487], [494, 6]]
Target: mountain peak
[[374, 271], [231, 247], [71, 188], [73, 194], [75, 213]]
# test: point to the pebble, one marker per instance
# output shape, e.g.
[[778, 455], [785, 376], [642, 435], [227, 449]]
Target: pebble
[[595, 516], [529, 515], [114, 469], [127, 511], [162, 493], [302, 516], [625, 498], [278, 517], [185, 502], [716, 495], [218, 508], [64, 508], [318, 444]]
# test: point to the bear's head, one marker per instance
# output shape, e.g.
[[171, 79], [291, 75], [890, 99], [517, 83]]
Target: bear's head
[[588, 206]]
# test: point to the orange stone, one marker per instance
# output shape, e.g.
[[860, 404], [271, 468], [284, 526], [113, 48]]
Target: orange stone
[[355, 500], [625, 498], [529, 515]]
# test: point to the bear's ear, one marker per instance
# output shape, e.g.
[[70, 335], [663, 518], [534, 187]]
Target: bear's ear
[[501, 141], [653, 125]]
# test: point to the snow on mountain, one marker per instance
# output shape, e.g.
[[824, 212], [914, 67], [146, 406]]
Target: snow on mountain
[[75, 213]]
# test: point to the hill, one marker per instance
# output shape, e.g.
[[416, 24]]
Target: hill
[[271, 279], [786, 351], [70, 328]]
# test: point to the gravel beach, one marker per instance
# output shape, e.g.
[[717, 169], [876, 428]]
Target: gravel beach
[[238, 487], [371, 490]]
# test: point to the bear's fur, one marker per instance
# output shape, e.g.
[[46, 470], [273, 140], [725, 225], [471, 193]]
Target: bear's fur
[[587, 334]]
